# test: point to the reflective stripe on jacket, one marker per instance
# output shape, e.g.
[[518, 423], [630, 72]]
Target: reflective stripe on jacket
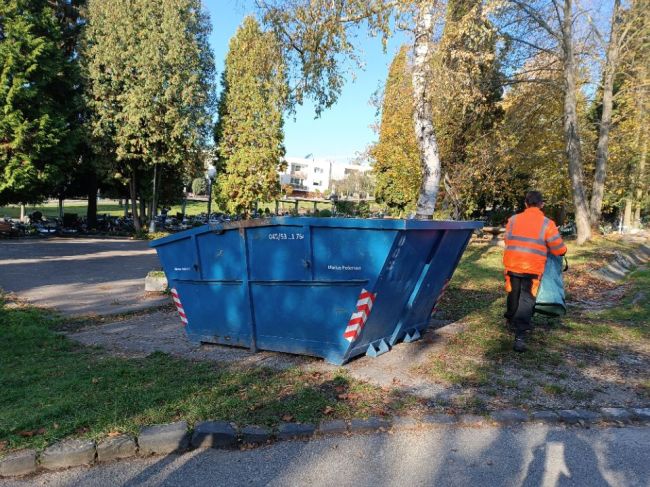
[[529, 236]]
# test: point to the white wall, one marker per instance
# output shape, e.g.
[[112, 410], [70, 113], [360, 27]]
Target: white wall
[[316, 174]]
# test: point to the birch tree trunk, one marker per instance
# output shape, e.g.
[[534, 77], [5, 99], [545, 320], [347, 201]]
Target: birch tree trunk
[[423, 119], [571, 129], [611, 65], [627, 215]]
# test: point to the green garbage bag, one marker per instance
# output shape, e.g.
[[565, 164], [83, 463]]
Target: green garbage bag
[[550, 296]]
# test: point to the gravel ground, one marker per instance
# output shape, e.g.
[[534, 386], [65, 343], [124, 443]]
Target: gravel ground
[[80, 276]]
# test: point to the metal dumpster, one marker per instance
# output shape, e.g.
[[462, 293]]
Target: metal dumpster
[[328, 287]]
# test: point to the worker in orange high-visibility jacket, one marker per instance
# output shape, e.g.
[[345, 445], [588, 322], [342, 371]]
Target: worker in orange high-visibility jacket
[[529, 237]]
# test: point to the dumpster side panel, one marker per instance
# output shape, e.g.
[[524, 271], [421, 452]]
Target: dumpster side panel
[[350, 253], [220, 256], [279, 253], [304, 318], [179, 259], [403, 271], [438, 273], [217, 312]]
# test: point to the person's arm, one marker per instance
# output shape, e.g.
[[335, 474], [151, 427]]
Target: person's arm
[[554, 240]]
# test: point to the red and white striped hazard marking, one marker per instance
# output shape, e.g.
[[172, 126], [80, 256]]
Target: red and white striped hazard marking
[[360, 316], [442, 292], [179, 306]]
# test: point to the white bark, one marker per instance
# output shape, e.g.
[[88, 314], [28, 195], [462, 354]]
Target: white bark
[[627, 215], [423, 119]]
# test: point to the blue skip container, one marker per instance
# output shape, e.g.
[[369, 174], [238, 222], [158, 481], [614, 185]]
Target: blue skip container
[[328, 287]]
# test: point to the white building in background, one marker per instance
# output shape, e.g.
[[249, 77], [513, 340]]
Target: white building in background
[[312, 174]]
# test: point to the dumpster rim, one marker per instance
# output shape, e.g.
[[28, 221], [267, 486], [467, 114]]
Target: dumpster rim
[[334, 223]]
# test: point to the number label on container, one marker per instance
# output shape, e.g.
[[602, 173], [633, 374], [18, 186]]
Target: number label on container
[[286, 236]]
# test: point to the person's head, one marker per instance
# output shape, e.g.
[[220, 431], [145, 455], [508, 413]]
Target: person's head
[[534, 198]]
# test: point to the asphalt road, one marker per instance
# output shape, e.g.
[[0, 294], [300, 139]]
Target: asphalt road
[[531, 455], [79, 276]]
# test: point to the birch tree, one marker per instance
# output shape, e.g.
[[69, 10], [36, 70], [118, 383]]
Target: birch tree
[[318, 36]]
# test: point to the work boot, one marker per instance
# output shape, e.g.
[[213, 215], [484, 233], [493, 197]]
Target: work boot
[[520, 344]]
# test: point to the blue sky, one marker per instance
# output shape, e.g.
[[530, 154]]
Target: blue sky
[[343, 130]]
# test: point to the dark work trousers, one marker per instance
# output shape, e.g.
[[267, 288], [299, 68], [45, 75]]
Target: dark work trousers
[[520, 303]]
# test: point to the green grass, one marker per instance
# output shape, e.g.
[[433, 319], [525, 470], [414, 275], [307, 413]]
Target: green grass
[[53, 388], [475, 358], [635, 307]]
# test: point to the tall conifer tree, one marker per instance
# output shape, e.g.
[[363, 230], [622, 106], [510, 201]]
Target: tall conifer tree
[[249, 134], [150, 74], [38, 106], [396, 155]]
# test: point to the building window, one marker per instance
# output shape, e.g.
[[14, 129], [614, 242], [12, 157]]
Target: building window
[[296, 182], [316, 183], [318, 170]]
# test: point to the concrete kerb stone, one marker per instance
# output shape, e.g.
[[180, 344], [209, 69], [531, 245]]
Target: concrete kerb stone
[[405, 423], [369, 425], [641, 414], [256, 434], [545, 416], [164, 438], [18, 463], [577, 416], [471, 419], [620, 415], [122, 446], [589, 416], [214, 434], [332, 427], [439, 419], [68, 453], [568, 416], [287, 431], [509, 416]]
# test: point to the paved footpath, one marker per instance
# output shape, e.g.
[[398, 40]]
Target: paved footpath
[[530, 455], [79, 276]]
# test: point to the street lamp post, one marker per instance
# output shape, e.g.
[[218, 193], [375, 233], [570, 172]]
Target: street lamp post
[[210, 174]]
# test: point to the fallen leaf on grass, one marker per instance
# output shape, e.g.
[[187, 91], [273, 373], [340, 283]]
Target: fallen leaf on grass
[[287, 418], [30, 433], [3, 445], [112, 434], [328, 410]]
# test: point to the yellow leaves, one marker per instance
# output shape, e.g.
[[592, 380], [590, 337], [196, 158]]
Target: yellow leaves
[[397, 166]]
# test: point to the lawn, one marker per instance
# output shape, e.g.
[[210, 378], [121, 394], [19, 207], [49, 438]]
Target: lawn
[[53, 388], [598, 355]]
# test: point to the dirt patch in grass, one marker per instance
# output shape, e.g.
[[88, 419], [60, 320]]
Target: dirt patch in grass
[[599, 355]]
